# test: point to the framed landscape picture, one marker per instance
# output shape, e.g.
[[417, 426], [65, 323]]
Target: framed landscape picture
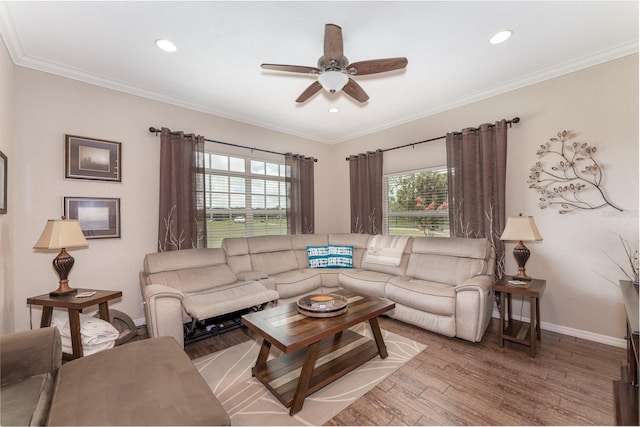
[[88, 158], [99, 218]]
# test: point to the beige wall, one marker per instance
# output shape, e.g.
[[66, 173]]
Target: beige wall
[[46, 108], [6, 221], [599, 103]]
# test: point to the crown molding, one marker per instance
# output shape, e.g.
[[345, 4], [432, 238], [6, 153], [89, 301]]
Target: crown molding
[[617, 52], [9, 34], [12, 41]]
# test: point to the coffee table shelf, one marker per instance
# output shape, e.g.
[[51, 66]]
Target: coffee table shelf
[[337, 356]]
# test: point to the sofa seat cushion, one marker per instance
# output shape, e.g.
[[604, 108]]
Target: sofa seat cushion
[[146, 382], [297, 282], [329, 276], [26, 402], [365, 282], [431, 297], [227, 299]]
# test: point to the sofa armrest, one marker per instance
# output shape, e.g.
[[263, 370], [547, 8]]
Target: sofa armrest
[[27, 353], [163, 309], [248, 276], [476, 283], [473, 307]]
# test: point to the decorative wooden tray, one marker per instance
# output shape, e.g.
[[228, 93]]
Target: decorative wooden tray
[[322, 305]]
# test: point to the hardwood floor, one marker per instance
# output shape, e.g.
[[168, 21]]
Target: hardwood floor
[[455, 382]]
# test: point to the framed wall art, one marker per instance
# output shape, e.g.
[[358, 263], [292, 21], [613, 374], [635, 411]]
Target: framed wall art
[[3, 183], [99, 217], [88, 158]]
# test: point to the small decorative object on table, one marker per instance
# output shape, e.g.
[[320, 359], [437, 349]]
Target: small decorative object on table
[[519, 283], [322, 305]]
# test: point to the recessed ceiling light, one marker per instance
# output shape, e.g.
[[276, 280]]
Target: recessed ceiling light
[[166, 45], [334, 110], [500, 37]]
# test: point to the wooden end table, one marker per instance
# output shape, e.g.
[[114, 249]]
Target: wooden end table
[[74, 306], [317, 351], [518, 331]]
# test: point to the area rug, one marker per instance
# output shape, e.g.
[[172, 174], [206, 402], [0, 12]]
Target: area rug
[[248, 402]]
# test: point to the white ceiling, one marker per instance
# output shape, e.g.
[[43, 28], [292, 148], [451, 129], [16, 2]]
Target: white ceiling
[[222, 44]]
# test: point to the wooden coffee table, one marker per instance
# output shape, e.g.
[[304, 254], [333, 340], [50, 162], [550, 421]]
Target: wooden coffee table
[[317, 351]]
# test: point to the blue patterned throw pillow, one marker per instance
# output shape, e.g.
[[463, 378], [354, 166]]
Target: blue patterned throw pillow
[[318, 256], [340, 256]]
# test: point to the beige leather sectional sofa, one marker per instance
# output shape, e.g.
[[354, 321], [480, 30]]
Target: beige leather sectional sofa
[[443, 285]]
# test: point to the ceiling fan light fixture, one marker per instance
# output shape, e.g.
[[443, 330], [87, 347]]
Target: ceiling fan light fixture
[[333, 81]]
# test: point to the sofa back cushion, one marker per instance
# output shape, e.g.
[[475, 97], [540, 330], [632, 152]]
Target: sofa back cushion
[[234, 246], [185, 258], [399, 270], [299, 242], [274, 262], [357, 240], [449, 260], [260, 244], [272, 254], [189, 270], [237, 252]]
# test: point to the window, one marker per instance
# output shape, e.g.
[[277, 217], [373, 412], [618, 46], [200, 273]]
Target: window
[[244, 197], [415, 203]]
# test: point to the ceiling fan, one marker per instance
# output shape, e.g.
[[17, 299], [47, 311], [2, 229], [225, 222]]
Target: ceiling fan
[[334, 71]]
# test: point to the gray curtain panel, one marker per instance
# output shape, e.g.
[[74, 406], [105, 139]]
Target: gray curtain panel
[[477, 167], [182, 192], [365, 175], [300, 184]]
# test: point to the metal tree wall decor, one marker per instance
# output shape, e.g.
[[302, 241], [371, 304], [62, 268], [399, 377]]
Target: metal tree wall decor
[[574, 179]]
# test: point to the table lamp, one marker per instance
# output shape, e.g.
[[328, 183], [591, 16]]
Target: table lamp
[[522, 228], [62, 234]]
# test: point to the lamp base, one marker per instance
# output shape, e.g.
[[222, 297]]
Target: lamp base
[[62, 264], [521, 254], [63, 290], [523, 278], [63, 293]]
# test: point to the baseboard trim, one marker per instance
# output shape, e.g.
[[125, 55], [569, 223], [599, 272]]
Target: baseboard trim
[[578, 333], [590, 336]]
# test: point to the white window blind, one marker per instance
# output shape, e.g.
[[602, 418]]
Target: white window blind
[[415, 203], [244, 197]]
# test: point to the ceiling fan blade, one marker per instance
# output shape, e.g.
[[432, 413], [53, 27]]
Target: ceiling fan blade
[[291, 68], [333, 43], [374, 66], [309, 92], [354, 90]]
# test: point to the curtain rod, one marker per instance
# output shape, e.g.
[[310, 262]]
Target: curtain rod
[[509, 122], [157, 131]]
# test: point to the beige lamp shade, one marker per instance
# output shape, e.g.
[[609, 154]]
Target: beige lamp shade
[[522, 228], [61, 233]]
